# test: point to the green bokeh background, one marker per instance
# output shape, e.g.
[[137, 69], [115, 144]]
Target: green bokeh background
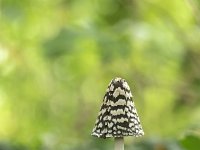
[[58, 56]]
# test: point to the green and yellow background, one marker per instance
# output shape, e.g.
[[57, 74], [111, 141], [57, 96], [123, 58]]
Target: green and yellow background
[[58, 56]]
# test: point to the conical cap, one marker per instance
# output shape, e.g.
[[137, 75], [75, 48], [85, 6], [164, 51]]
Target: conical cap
[[118, 116]]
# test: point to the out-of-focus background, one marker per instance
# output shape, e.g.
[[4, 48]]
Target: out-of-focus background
[[58, 56]]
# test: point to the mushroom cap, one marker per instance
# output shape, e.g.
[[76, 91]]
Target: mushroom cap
[[118, 116]]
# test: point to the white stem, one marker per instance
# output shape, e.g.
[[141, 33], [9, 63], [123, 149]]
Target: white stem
[[119, 143]]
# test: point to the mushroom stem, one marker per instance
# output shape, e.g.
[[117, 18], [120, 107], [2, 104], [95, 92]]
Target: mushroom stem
[[119, 143]]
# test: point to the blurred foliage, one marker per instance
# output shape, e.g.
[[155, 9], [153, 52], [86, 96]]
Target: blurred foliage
[[57, 58], [191, 142]]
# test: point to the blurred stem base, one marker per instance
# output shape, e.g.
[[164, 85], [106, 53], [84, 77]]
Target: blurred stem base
[[119, 143]]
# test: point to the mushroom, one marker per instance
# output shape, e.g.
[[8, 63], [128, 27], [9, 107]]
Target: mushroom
[[118, 116]]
